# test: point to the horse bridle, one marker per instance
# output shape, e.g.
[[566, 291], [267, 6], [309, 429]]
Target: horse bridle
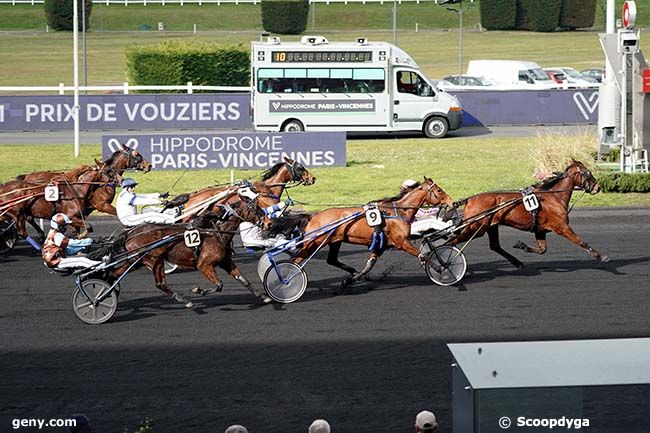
[[589, 182], [133, 161], [296, 176]]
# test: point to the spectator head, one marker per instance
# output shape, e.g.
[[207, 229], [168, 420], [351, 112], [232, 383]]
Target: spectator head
[[236, 428], [319, 426], [425, 422], [82, 424]]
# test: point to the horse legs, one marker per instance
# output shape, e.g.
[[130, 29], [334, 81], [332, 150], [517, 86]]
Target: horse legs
[[568, 233], [369, 265], [540, 237], [158, 270], [206, 266], [493, 235], [41, 234], [77, 224], [333, 259], [229, 265]]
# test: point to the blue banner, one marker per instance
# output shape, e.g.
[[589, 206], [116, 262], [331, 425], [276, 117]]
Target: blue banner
[[236, 150]]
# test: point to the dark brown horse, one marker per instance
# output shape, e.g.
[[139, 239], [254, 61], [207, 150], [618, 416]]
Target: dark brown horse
[[552, 214], [216, 232], [274, 181], [398, 213]]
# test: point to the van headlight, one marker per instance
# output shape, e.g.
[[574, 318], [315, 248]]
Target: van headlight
[[455, 106]]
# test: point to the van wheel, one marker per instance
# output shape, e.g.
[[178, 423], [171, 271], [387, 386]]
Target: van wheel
[[293, 125], [436, 127]]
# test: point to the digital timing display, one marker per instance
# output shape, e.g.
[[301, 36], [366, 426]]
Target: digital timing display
[[321, 56]]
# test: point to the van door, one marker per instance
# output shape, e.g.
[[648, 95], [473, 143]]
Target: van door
[[413, 98]]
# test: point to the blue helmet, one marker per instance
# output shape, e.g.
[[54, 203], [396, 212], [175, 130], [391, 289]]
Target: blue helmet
[[128, 182]]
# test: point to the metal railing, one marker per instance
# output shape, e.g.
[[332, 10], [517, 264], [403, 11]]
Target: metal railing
[[200, 2], [124, 88]]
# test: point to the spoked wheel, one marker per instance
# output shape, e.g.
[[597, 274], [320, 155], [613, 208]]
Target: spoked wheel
[[289, 285], [446, 265], [263, 265], [89, 313], [8, 235]]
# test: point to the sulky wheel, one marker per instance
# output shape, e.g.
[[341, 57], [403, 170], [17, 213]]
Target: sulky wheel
[[446, 265], [289, 286], [89, 313], [263, 265], [8, 235]]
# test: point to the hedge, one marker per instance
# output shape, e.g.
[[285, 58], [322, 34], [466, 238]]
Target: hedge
[[625, 182], [59, 14], [498, 14], [177, 62], [578, 13], [285, 17], [538, 15]]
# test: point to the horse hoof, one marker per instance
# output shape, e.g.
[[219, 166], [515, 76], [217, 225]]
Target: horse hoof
[[604, 259], [265, 299], [180, 298], [198, 291]]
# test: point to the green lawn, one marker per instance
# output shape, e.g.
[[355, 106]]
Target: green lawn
[[45, 58], [376, 168]]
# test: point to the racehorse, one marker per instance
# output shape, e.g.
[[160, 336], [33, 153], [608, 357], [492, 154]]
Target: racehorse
[[274, 181], [552, 214], [397, 213], [216, 231], [99, 196], [24, 200]]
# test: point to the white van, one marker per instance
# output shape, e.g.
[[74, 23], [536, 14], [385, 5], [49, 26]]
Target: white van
[[512, 74], [315, 85]]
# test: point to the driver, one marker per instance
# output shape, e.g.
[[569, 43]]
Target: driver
[[128, 200], [58, 246], [426, 219]]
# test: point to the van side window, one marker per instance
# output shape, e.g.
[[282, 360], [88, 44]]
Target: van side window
[[523, 76], [411, 82]]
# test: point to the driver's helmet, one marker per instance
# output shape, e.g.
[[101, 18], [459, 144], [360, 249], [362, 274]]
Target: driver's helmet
[[408, 183], [59, 221], [128, 182]]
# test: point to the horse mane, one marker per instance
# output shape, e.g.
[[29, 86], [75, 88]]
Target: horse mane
[[266, 175], [286, 225], [551, 181], [111, 159], [400, 195]]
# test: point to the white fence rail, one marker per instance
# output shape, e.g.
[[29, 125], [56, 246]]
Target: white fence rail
[[124, 88], [201, 2]]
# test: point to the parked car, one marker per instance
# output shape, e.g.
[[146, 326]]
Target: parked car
[[465, 82], [570, 78], [595, 73], [512, 74]]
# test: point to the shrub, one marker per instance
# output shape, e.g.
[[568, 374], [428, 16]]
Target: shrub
[[285, 17], [538, 16], [59, 13], [177, 62], [498, 14], [625, 182], [578, 13], [553, 152]]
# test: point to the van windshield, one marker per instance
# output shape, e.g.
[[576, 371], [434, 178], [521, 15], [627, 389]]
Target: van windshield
[[539, 75]]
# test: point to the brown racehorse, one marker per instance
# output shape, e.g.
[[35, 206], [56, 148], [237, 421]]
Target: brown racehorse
[[398, 213], [101, 195], [274, 181], [29, 201], [216, 232], [552, 215]]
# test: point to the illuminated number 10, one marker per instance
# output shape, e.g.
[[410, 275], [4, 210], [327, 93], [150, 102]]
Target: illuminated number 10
[[282, 57]]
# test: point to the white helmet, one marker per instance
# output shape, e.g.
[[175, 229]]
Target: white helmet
[[409, 183], [59, 221]]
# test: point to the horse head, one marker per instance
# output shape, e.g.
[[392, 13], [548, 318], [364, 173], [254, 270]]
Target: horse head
[[288, 171], [128, 158], [427, 192], [582, 177]]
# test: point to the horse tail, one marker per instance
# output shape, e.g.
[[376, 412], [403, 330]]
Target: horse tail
[[287, 225]]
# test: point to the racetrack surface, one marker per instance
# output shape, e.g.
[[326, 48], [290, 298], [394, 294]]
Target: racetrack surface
[[367, 361]]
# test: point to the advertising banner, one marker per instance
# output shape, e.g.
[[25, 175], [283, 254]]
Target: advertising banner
[[141, 111], [333, 106], [233, 150]]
